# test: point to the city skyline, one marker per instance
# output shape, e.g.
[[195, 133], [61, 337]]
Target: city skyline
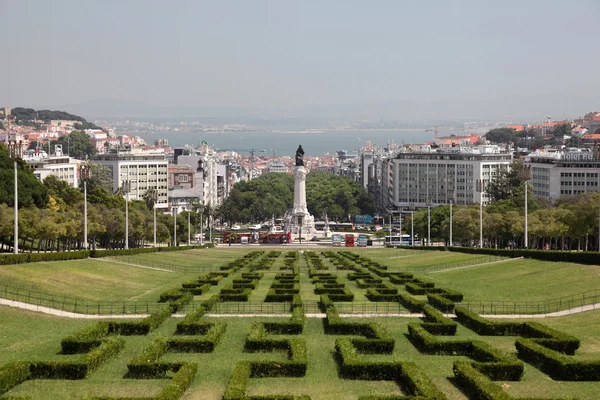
[[331, 60]]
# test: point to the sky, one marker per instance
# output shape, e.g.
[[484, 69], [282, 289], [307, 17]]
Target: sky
[[301, 55]]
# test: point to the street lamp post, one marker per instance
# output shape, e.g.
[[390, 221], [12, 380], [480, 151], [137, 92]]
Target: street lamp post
[[526, 177], [428, 221], [480, 189], [126, 188], [451, 196], [201, 224], [189, 226], [525, 228], [174, 226], [412, 225], [154, 200], [85, 170], [14, 153]]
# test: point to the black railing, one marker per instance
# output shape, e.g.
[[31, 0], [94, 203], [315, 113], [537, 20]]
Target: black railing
[[71, 304], [532, 307]]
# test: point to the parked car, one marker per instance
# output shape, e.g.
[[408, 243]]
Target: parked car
[[255, 227], [235, 228]]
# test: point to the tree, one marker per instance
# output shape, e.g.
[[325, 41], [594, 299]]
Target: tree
[[99, 176], [62, 190], [502, 135], [148, 197], [31, 191], [77, 144]]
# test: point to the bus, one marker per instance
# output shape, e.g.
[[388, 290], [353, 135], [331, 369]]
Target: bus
[[336, 240], [349, 240], [362, 240], [400, 240]]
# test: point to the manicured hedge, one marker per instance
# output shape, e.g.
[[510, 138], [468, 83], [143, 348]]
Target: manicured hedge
[[440, 302], [202, 344], [145, 364], [79, 368], [85, 339], [436, 324], [7, 259], [543, 335], [490, 361], [350, 366], [143, 327], [557, 365], [179, 383], [234, 294], [12, 374]]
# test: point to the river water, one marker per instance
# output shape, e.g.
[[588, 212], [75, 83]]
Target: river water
[[313, 143]]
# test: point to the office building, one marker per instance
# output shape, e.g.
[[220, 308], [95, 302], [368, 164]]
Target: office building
[[557, 173], [143, 169], [437, 176]]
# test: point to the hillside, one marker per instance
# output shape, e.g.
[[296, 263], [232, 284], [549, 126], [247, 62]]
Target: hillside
[[27, 116]]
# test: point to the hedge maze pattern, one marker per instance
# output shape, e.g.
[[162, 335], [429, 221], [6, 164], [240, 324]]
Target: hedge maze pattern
[[549, 350]]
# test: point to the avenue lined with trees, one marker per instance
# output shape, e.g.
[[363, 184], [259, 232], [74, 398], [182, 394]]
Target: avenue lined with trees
[[51, 212]]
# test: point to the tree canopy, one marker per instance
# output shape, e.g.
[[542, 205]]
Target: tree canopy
[[77, 144], [31, 191], [25, 116], [273, 194]]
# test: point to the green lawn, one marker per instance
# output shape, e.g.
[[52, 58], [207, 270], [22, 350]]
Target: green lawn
[[26, 335], [90, 279], [31, 336], [402, 260], [521, 280]]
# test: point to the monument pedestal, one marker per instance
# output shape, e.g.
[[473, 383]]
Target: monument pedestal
[[299, 221]]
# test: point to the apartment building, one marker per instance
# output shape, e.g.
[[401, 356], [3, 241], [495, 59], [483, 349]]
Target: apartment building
[[437, 176], [206, 166], [143, 169], [557, 174], [61, 166]]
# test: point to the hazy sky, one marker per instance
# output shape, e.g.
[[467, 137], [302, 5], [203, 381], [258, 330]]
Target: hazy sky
[[283, 54]]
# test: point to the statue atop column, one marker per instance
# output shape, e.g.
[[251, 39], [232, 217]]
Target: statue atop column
[[299, 156], [298, 219]]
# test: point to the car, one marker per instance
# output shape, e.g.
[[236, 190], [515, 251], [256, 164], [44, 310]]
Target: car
[[255, 227], [235, 228]]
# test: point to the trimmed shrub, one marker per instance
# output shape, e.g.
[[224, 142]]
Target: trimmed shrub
[[12, 374], [81, 367], [143, 327], [179, 383], [85, 339], [436, 324], [557, 365], [476, 385], [238, 381], [203, 344], [440, 302]]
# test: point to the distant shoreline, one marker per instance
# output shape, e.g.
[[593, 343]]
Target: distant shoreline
[[307, 132]]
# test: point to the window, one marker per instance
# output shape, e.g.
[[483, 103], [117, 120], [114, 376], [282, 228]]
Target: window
[[182, 178]]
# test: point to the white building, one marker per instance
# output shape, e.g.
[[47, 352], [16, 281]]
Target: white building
[[143, 170], [59, 165], [439, 176], [205, 164], [563, 173], [277, 166]]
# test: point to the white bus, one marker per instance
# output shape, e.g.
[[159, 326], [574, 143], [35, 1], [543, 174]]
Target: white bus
[[400, 240]]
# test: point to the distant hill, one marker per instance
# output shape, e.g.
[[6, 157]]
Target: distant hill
[[27, 116]]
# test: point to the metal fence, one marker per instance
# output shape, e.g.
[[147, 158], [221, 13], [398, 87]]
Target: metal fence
[[145, 262], [452, 265], [74, 305], [565, 304], [247, 307]]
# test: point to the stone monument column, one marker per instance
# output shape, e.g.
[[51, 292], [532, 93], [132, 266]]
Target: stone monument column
[[300, 222], [300, 208]]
